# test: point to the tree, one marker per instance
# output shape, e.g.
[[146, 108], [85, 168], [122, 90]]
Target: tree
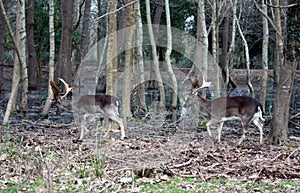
[[287, 68], [201, 54], [23, 54], [111, 56], [279, 129], [128, 62], [264, 80], [139, 59], [32, 70], [11, 106], [155, 58], [85, 31], [64, 63], [2, 42], [168, 54], [51, 57]]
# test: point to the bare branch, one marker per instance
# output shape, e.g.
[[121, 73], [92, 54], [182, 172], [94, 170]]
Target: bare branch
[[115, 10]]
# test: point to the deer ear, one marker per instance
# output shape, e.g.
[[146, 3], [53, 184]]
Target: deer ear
[[194, 80], [54, 87]]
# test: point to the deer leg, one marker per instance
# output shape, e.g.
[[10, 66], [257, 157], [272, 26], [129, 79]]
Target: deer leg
[[83, 126], [260, 127], [245, 125], [119, 120], [208, 124], [109, 127], [219, 129]]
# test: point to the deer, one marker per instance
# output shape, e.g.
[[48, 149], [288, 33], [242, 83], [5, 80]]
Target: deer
[[103, 104], [243, 108]]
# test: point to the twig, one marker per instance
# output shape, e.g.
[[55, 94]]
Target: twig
[[292, 153], [114, 10], [182, 165]]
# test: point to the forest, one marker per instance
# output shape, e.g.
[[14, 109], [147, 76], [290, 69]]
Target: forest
[[148, 96]]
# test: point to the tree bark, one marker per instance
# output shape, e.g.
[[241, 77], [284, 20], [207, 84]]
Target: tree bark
[[85, 32], [2, 43], [280, 119], [201, 57], [11, 105], [112, 56], [23, 52], [128, 63], [247, 59], [265, 45], [51, 57], [32, 69], [155, 59], [167, 57], [215, 48], [140, 60], [64, 63]]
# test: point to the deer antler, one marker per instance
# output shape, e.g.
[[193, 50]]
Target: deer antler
[[67, 88], [54, 88], [204, 85]]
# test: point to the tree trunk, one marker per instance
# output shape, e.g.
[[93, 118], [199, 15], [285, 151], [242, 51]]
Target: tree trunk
[[112, 56], [51, 57], [223, 57], [11, 105], [32, 69], [230, 58], [156, 23], [140, 61], [265, 44], [2, 43], [280, 119], [128, 63], [247, 58], [215, 48], [155, 59], [64, 63], [201, 57], [167, 57], [23, 53], [85, 32]]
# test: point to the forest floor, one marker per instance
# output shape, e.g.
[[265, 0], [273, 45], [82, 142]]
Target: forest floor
[[44, 156]]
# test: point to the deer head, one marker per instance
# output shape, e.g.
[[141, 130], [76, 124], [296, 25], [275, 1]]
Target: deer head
[[61, 102]]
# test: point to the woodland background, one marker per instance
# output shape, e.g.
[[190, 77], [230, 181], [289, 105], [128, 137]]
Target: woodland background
[[45, 40]]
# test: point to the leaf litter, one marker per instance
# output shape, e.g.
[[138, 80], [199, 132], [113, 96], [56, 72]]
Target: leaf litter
[[52, 153]]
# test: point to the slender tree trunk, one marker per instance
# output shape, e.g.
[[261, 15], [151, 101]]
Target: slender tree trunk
[[11, 105], [64, 63], [230, 58], [2, 43], [140, 60], [168, 54], [23, 52], [85, 32], [215, 48], [265, 44], [223, 57], [128, 63], [51, 57], [156, 23], [32, 69], [112, 56], [155, 58], [247, 59], [201, 54]]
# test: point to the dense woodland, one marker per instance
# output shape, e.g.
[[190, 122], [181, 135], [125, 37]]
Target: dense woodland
[[111, 46]]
